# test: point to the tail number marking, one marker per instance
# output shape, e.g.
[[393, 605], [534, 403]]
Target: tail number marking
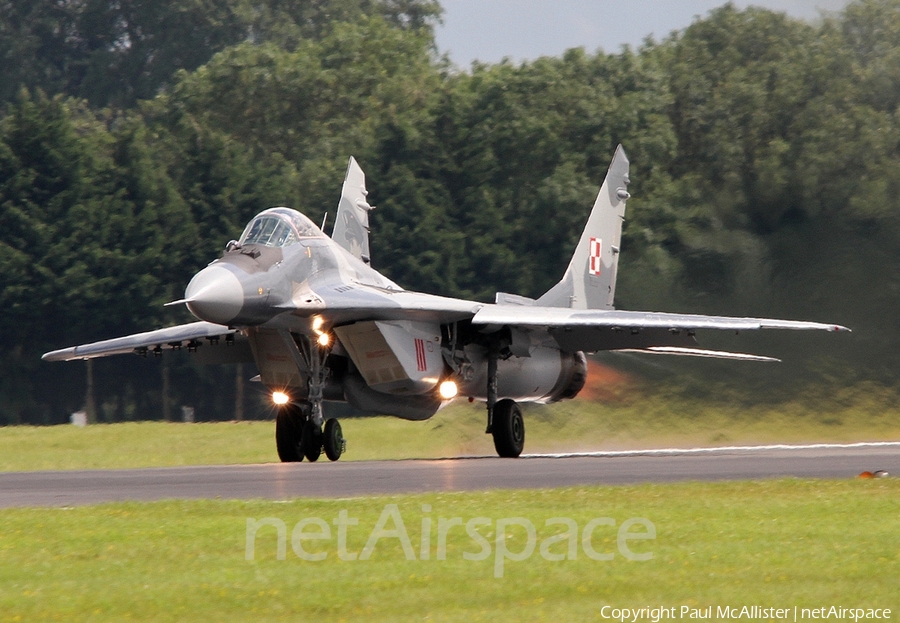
[[595, 264]]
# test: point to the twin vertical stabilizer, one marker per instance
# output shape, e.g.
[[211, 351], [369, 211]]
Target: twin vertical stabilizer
[[590, 279]]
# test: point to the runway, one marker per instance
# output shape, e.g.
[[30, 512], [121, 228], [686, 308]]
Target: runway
[[279, 481]]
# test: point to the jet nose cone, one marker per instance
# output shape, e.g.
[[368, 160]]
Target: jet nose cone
[[215, 294]]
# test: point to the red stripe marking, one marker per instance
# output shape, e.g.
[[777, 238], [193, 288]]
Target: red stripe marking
[[420, 355]]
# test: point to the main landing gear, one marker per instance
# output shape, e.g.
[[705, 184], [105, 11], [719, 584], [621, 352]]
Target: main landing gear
[[505, 421], [508, 429], [297, 435]]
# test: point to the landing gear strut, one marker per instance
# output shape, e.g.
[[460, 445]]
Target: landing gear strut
[[504, 421]]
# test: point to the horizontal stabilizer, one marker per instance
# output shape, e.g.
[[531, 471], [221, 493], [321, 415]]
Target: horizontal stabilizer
[[696, 352]]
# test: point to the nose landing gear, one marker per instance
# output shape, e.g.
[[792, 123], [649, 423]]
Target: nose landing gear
[[297, 436], [300, 429]]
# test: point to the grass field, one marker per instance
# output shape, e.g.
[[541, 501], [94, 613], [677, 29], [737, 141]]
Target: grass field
[[778, 543], [618, 422]]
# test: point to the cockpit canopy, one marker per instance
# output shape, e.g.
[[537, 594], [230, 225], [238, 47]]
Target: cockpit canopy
[[279, 227]]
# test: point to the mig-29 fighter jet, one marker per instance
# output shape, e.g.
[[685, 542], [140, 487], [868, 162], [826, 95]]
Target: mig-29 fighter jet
[[322, 325]]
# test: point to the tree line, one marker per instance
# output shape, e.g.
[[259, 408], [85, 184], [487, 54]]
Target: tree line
[[137, 138]]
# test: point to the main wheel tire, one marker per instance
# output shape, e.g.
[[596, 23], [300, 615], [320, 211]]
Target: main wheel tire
[[333, 441], [311, 444], [289, 433], [508, 429]]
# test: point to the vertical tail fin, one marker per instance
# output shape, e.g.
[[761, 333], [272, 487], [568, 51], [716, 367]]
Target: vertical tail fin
[[351, 227], [590, 279]]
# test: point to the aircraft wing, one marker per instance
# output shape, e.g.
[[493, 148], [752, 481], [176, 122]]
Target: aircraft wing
[[172, 337], [343, 302], [593, 330], [573, 329], [534, 316]]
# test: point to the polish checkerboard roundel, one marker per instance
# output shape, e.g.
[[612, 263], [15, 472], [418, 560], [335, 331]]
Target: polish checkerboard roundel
[[595, 263]]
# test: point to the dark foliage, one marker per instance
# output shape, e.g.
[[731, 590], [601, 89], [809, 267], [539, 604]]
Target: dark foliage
[[139, 137]]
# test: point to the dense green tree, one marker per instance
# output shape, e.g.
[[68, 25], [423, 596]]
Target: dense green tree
[[115, 53], [765, 151]]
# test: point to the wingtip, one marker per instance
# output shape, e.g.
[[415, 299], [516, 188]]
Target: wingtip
[[57, 355]]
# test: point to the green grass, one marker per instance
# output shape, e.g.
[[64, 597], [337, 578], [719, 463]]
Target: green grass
[[622, 422], [784, 543]]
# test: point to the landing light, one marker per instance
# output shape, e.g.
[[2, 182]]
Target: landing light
[[448, 390], [280, 398], [324, 339]]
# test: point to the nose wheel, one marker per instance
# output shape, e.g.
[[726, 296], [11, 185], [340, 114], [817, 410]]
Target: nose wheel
[[330, 439], [297, 436], [311, 444], [289, 423], [333, 440]]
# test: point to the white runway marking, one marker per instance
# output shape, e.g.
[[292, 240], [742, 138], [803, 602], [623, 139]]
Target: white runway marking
[[717, 450]]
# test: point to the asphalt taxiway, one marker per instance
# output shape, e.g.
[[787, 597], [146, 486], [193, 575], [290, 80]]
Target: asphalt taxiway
[[359, 478]]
